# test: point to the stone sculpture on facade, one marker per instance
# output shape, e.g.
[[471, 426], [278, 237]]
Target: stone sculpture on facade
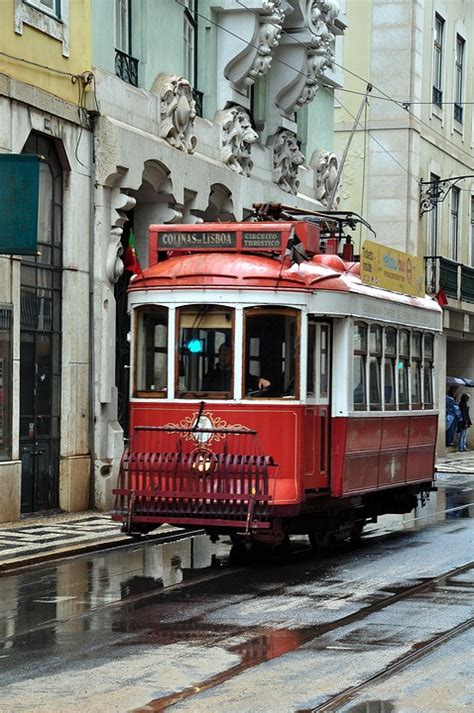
[[113, 262], [237, 137], [325, 167], [312, 49], [260, 26], [177, 111], [286, 160]]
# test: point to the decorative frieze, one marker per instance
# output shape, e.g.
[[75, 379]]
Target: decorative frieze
[[177, 111], [325, 166], [237, 137], [287, 158]]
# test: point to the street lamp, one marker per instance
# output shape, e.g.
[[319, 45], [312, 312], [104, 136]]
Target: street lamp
[[434, 192]]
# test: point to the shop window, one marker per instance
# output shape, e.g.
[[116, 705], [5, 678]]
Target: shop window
[[359, 366], [205, 351], [271, 345], [152, 351], [5, 382]]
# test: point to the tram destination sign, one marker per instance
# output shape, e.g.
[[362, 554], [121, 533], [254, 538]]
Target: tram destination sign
[[187, 240], [219, 240], [392, 269]]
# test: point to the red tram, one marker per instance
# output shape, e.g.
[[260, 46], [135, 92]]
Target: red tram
[[273, 395]]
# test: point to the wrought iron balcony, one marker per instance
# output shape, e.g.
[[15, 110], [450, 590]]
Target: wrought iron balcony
[[456, 279], [198, 98], [126, 67]]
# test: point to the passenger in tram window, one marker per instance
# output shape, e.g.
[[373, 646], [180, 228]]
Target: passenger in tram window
[[465, 423]]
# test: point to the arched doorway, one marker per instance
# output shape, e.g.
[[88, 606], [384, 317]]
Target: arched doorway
[[40, 340]]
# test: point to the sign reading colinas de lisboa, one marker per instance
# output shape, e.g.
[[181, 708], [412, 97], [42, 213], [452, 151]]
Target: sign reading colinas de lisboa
[[19, 198]]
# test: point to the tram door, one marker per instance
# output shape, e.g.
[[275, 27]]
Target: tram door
[[317, 416]]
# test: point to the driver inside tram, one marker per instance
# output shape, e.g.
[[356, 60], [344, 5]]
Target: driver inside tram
[[219, 378]]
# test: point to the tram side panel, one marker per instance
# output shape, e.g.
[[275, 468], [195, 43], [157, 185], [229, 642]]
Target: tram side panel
[[376, 453]]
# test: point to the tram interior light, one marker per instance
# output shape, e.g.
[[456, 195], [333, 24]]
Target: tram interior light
[[194, 346]]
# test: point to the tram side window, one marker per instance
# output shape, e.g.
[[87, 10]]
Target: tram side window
[[310, 376], [416, 369], [375, 360], [402, 367], [205, 351], [428, 356], [359, 366], [152, 350], [270, 349], [324, 362], [390, 350]]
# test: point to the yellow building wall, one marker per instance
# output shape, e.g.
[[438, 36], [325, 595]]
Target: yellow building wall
[[46, 51]]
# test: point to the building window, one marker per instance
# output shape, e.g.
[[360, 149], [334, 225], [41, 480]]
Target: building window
[[5, 382], [433, 224], [53, 7], [48, 16], [472, 231], [122, 26], [126, 66], [459, 78], [438, 61], [189, 41], [455, 198]]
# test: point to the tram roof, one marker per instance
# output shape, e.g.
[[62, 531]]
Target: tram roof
[[328, 273]]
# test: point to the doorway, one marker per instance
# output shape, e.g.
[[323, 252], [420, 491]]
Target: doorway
[[40, 341]]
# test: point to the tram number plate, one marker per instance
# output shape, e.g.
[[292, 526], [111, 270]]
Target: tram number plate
[[261, 240]]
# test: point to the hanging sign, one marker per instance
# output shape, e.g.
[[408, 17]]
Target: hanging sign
[[19, 198], [392, 269]]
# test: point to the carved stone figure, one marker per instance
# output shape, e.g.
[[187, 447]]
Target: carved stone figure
[[316, 54], [260, 27], [286, 159], [177, 112], [325, 166], [237, 137]]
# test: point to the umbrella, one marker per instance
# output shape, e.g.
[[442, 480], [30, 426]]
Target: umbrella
[[459, 381]]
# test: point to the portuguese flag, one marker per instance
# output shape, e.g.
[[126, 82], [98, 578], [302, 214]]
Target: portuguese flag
[[130, 259]]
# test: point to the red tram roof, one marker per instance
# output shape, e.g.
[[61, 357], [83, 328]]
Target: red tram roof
[[237, 270]]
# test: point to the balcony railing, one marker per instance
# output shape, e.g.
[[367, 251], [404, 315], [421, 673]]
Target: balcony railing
[[126, 67], [456, 279]]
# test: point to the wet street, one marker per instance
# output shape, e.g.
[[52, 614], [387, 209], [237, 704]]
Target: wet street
[[383, 627]]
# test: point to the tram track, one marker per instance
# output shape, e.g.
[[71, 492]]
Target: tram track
[[334, 703], [306, 636]]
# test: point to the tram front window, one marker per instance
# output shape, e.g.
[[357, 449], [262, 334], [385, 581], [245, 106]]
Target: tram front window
[[152, 345], [205, 351], [271, 344]]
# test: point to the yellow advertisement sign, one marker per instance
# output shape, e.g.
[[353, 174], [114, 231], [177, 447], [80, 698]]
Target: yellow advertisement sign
[[391, 269]]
